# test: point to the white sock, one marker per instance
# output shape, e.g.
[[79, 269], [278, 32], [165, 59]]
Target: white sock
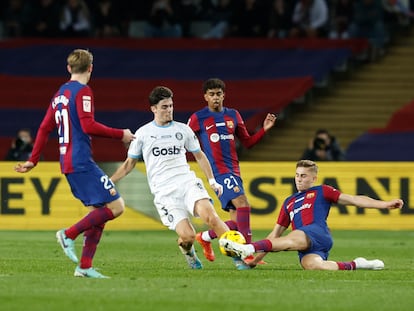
[[250, 247], [205, 236]]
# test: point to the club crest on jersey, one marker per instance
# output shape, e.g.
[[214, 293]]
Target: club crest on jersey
[[230, 124], [236, 189], [179, 136], [112, 191], [310, 195]]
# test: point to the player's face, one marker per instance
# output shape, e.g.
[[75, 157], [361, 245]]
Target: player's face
[[304, 178], [214, 99], [163, 111]]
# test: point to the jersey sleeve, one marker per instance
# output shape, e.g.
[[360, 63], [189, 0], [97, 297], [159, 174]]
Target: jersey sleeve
[[45, 128], [245, 138], [135, 148], [193, 123], [330, 193], [283, 218], [191, 141], [85, 109]]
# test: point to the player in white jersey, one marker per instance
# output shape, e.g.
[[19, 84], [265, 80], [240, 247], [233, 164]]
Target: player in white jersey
[[178, 193]]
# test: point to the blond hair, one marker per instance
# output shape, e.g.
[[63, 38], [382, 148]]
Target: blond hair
[[308, 164], [80, 60]]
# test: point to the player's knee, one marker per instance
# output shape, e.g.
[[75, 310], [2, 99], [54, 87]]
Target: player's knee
[[117, 208], [311, 262]]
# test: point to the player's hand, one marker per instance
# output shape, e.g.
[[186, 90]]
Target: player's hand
[[128, 136], [396, 203], [24, 167], [269, 121], [218, 189]]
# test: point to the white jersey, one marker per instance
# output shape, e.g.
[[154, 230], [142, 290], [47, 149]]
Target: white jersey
[[163, 150]]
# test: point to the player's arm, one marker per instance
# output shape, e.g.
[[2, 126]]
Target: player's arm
[[248, 140], [367, 202], [205, 166], [85, 109], [124, 169]]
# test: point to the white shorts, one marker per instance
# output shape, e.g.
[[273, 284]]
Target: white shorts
[[176, 202]]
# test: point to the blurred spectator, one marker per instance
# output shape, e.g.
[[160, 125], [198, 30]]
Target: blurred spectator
[[163, 20], [397, 13], [368, 22], [21, 146], [248, 19], [44, 18], [341, 19], [188, 11], [280, 18], [220, 17], [310, 19], [75, 19], [15, 18], [323, 147], [106, 19]]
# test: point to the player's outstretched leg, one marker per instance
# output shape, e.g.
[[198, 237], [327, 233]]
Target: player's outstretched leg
[[207, 248], [241, 250], [67, 244], [362, 263]]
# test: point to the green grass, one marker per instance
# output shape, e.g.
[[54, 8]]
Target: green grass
[[149, 273]]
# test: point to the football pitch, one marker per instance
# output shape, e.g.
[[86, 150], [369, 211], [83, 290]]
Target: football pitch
[[149, 273]]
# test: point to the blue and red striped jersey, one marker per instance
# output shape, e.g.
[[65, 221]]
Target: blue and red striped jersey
[[71, 112], [308, 207], [217, 132]]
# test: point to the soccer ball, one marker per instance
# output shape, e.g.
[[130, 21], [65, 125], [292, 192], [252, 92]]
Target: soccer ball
[[234, 236]]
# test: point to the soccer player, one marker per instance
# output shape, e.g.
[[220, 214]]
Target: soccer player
[[178, 193], [307, 211], [217, 127], [71, 112]]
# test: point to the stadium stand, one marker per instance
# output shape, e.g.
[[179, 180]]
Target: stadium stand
[[362, 99], [395, 142], [261, 76]]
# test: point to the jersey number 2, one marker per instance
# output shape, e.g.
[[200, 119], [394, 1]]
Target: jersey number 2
[[62, 121]]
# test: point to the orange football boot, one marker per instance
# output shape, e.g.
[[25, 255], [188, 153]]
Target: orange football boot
[[207, 249]]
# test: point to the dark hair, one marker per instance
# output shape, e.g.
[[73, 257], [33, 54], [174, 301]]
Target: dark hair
[[159, 93], [322, 131], [214, 83]]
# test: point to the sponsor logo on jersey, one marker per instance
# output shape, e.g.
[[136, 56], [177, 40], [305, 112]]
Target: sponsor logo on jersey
[[209, 127], [157, 151], [216, 137], [297, 210]]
